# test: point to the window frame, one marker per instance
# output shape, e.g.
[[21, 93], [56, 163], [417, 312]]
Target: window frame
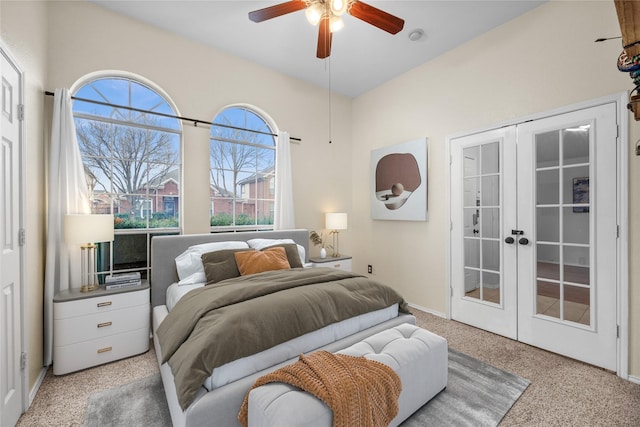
[[148, 199], [271, 131]]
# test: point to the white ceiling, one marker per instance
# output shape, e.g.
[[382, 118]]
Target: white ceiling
[[362, 56]]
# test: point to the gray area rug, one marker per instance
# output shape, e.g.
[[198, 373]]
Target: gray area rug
[[477, 394]]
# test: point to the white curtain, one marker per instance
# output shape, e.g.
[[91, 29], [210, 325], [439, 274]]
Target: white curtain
[[284, 217], [67, 193]]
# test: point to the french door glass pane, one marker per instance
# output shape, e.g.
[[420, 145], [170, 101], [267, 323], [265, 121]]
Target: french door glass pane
[[472, 253], [471, 222], [577, 304], [491, 255], [491, 222], [491, 287], [547, 224], [548, 261], [575, 227], [547, 151], [547, 298], [490, 190], [490, 158], [471, 161], [575, 187], [547, 188], [576, 264], [575, 142], [471, 192]]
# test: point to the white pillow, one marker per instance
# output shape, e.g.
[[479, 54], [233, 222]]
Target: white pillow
[[198, 277], [189, 262], [259, 244]]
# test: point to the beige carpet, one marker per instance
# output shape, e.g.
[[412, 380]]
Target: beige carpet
[[562, 392]]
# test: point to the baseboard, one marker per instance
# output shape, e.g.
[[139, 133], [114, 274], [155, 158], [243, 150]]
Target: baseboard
[[634, 379], [428, 310], [36, 386]]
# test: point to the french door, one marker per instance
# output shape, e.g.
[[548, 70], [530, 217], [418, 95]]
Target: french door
[[534, 233]]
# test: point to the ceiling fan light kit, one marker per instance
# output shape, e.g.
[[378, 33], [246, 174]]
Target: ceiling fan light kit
[[327, 14]]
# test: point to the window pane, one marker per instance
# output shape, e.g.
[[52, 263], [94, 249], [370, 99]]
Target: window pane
[[242, 174], [132, 164]]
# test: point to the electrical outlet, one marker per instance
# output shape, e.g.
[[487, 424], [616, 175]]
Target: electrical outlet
[[370, 269]]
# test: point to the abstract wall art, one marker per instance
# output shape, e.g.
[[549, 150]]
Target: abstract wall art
[[399, 182]]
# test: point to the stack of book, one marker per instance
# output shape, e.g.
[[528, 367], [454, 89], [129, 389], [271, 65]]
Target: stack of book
[[125, 280]]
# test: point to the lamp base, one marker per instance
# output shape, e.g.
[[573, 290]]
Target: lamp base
[[88, 288]]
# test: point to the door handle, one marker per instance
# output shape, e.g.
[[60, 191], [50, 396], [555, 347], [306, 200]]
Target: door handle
[[509, 240], [523, 241]]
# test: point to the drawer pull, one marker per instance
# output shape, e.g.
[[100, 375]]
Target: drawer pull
[[104, 304], [104, 350], [105, 324], [337, 265]]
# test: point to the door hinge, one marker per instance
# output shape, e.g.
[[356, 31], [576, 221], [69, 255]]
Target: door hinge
[[23, 360], [617, 231], [21, 237], [617, 331], [20, 112]]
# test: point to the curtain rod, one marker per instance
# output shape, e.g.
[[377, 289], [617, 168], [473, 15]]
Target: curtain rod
[[171, 116]]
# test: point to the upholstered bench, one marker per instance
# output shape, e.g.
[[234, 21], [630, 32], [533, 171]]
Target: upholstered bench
[[419, 357]]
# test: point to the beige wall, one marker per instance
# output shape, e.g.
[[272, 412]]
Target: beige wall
[[24, 33], [543, 60]]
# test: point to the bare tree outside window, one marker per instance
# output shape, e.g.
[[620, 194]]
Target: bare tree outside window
[[132, 164], [242, 162]]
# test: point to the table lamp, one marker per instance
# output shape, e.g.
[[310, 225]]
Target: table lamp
[[87, 229], [336, 221]]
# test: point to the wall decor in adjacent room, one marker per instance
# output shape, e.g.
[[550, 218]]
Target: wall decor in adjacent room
[[399, 182]]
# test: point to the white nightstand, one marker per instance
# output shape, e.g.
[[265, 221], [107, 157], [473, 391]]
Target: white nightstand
[[92, 328], [343, 262]]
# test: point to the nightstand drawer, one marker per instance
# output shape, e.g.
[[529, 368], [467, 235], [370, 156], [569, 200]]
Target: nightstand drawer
[[73, 330], [344, 264], [99, 304], [85, 354], [337, 263]]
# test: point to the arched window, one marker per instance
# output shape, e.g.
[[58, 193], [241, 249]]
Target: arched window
[[242, 171], [132, 164]]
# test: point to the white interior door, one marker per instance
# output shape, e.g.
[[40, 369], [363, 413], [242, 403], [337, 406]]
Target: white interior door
[[567, 207], [483, 269], [534, 233], [10, 253]]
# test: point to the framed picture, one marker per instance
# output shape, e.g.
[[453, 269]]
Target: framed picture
[[399, 182], [580, 194]]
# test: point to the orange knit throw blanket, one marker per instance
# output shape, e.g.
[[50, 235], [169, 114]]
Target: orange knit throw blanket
[[359, 391]]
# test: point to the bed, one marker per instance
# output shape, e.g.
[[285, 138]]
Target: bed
[[217, 401]]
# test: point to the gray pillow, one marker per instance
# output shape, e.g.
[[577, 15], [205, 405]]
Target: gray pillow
[[291, 250], [220, 265]]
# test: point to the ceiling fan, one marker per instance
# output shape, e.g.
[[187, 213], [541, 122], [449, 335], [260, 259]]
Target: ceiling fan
[[327, 13]]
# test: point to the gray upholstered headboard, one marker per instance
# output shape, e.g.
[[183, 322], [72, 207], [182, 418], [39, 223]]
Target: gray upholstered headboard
[[164, 250]]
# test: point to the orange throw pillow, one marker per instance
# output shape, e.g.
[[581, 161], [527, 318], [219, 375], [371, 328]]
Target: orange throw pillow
[[252, 262]]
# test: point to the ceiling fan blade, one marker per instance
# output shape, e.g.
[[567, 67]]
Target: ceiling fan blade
[[277, 10], [376, 17], [324, 39]]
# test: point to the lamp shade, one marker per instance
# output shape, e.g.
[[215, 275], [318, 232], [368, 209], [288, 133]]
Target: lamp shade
[[79, 228], [336, 221]]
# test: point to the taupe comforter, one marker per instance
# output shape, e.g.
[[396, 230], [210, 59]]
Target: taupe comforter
[[239, 317]]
